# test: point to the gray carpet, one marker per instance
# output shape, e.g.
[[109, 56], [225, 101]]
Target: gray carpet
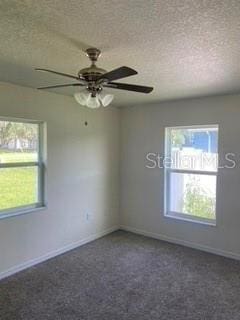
[[125, 276]]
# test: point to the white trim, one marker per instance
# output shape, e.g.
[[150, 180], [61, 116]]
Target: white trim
[[21, 120], [21, 210], [18, 164], [195, 126], [227, 254], [192, 171], [190, 218], [55, 253]]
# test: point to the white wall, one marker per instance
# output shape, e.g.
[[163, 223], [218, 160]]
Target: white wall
[[82, 176], [141, 207]]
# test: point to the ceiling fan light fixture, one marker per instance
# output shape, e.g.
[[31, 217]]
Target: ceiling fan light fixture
[[106, 99], [82, 97], [94, 79], [93, 103]]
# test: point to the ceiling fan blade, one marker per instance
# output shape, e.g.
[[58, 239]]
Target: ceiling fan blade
[[62, 85], [58, 73], [118, 73], [129, 87]]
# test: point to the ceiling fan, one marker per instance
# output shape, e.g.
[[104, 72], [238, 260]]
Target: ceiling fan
[[95, 79]]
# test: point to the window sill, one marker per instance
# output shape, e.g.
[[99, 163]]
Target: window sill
[[22, 211], [190, 219]]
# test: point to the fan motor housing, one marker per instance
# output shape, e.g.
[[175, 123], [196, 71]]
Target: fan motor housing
[[91, 73]]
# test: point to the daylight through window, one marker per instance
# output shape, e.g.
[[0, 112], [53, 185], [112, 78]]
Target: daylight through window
[[191, 166], [21, 166]]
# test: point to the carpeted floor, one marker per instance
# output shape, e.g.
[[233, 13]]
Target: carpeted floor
[[125, 276]]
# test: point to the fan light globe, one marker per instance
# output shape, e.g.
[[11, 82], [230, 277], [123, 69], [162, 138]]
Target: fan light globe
[[85, 98], [82, 98], [106, 99], [93, 103]]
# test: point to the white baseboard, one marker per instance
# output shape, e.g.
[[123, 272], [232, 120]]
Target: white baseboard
[[55, 253], [185, 243], [93, 237]]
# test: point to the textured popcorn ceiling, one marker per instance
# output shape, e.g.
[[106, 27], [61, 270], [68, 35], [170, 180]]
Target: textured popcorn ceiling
[[183, 48]]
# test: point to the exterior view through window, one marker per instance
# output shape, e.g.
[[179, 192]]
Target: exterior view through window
[[21, 166], [191, 166]]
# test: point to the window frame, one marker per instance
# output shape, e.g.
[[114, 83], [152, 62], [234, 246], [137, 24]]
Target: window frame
[[40, 164], [167, 171]]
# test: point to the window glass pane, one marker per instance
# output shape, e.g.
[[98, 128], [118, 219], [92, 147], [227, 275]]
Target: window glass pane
[[194, 148], [193, 194], [18, 142], [18, 187]]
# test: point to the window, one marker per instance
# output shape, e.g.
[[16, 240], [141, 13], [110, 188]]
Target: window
[[191, 166], [21, 166]]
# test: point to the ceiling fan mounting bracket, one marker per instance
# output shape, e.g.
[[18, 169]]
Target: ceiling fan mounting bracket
[[93, 54]]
